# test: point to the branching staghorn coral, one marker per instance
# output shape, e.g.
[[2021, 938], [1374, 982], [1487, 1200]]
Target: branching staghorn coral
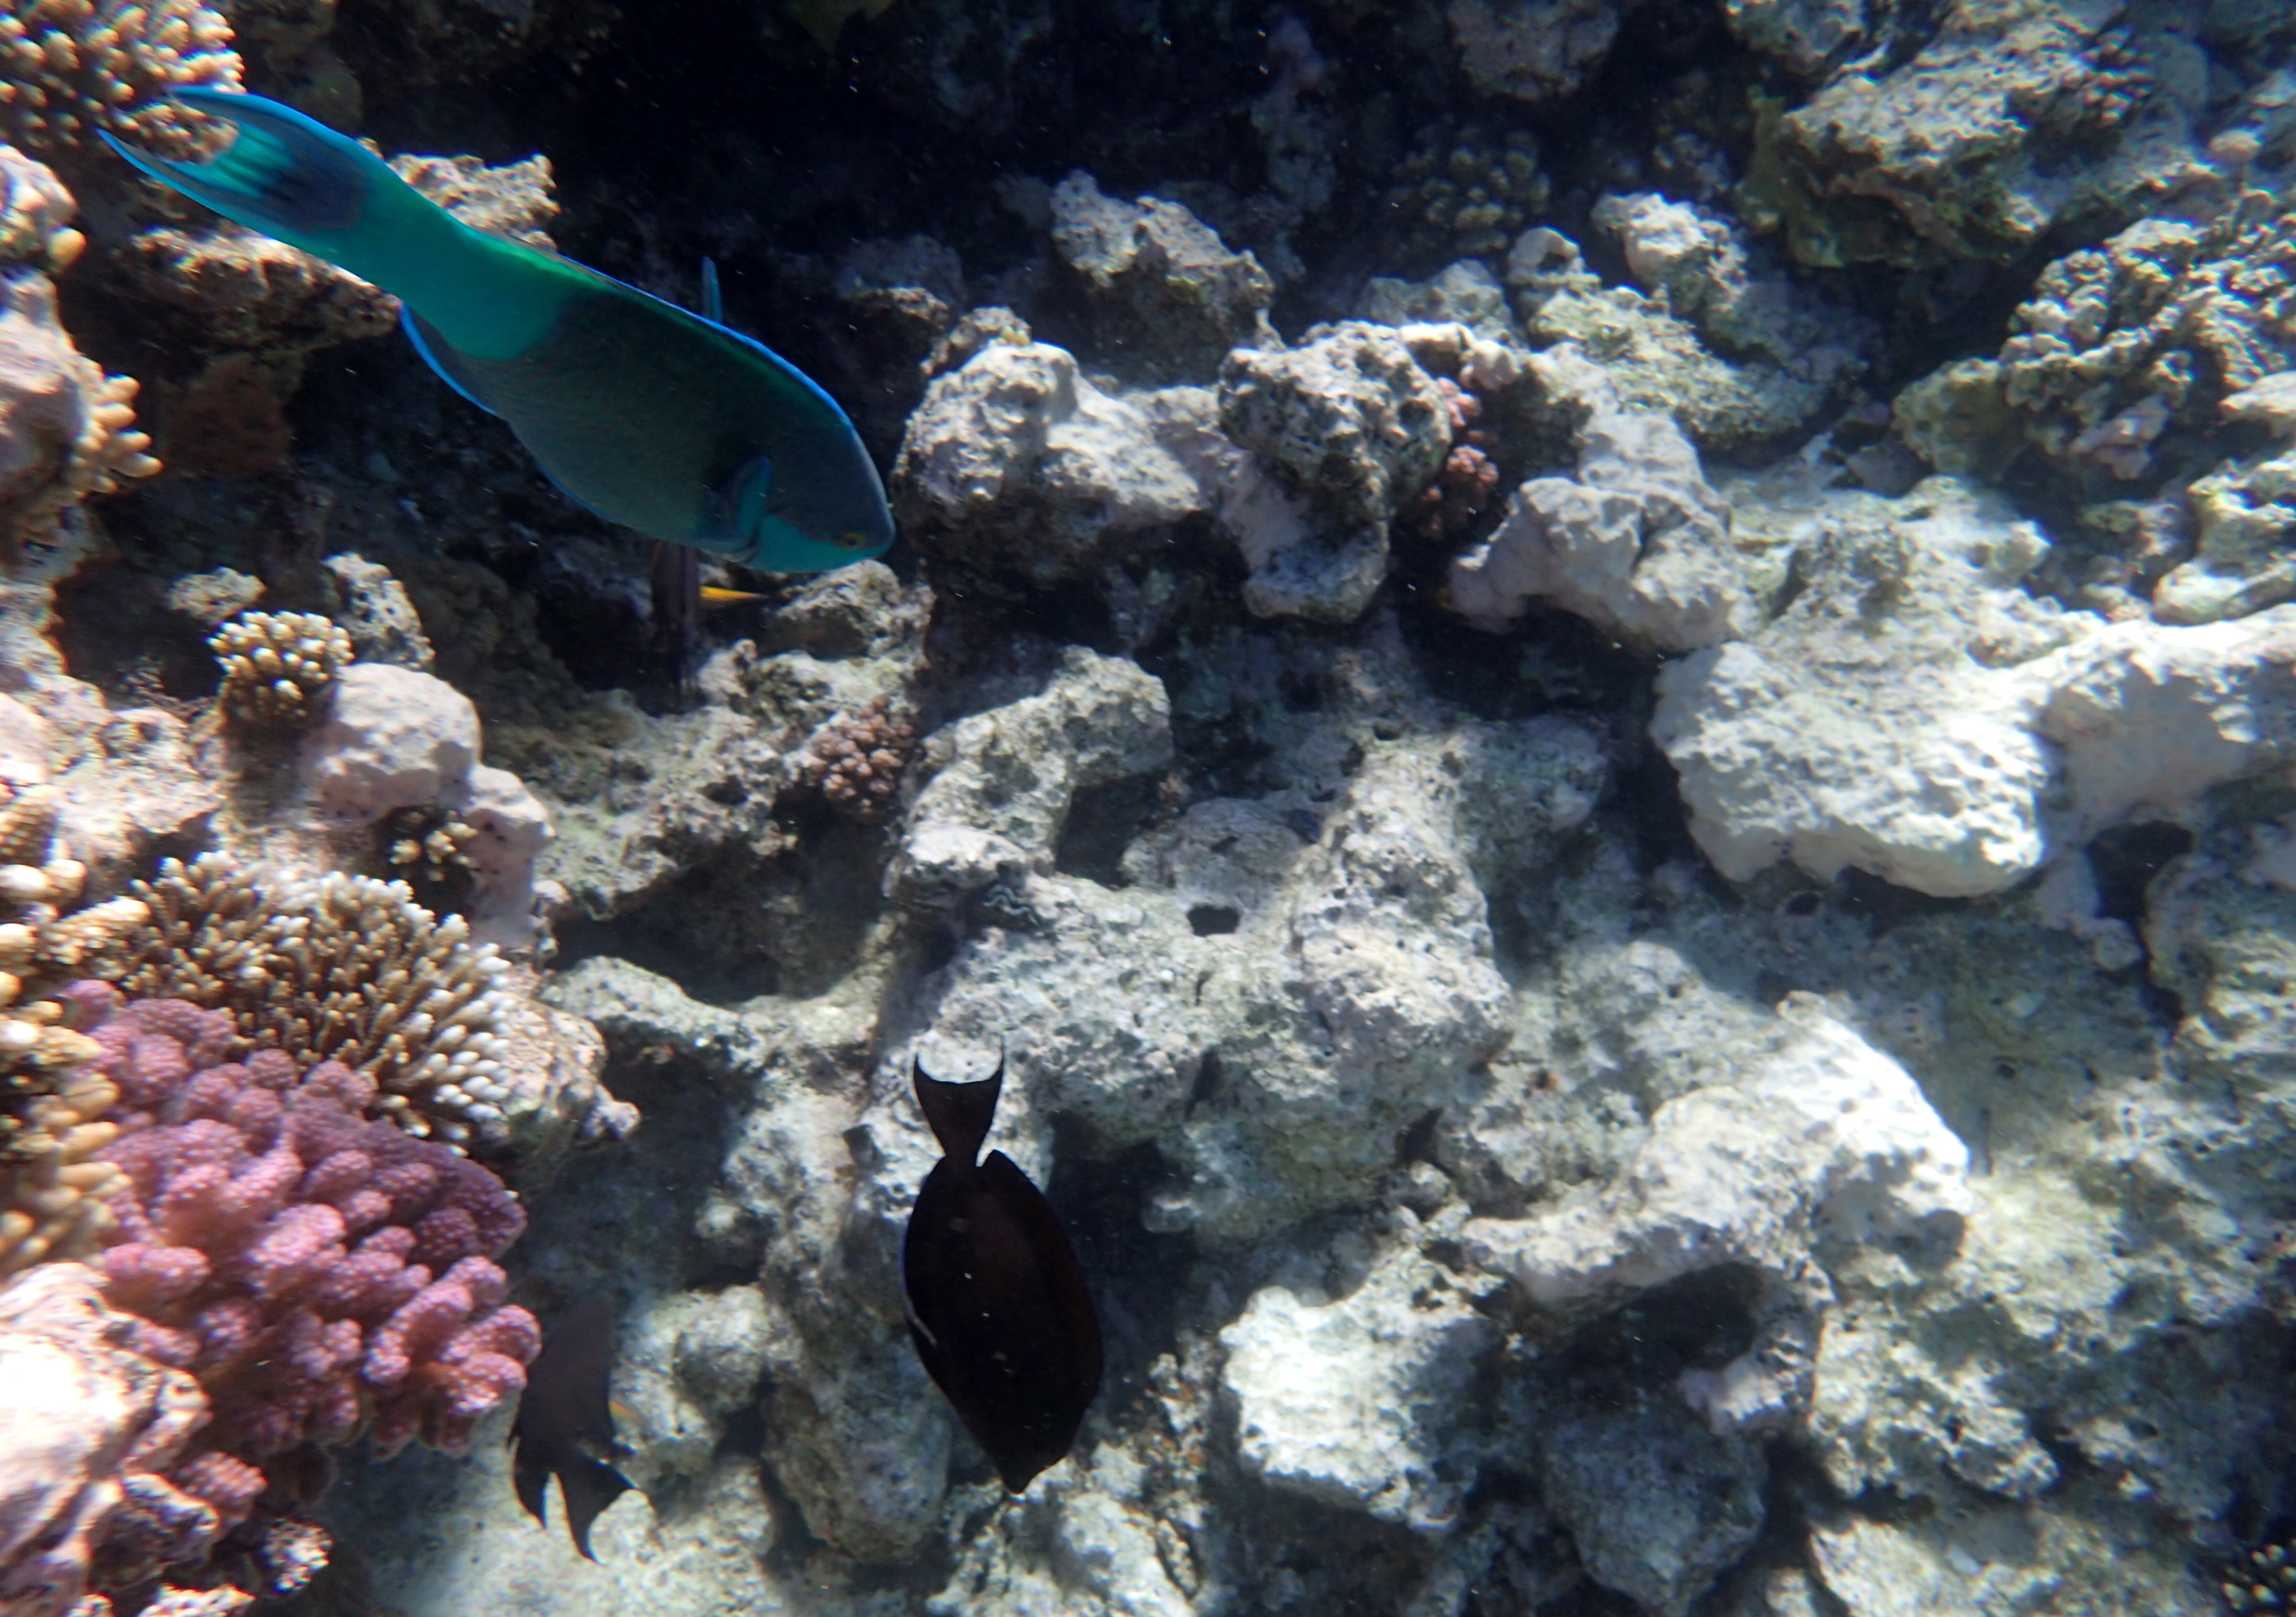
[[278, 667], [71, 67], [344, 968]]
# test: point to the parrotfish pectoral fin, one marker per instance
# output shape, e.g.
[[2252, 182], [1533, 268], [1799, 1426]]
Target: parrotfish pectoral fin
[[439, 355], [285, 174], [738, 510]]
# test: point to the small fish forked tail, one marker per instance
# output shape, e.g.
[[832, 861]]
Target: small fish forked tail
[[960, 1114], [285, 174]]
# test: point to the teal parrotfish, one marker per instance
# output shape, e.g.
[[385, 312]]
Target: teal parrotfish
[[648, 415]]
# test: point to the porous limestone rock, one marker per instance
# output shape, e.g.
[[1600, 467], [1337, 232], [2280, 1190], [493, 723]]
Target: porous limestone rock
[[2146, 720], [1914, 714], [395, 738], [1531, 50], [1366, 1401], [1954, 152], [1804, 37], [1819, 1138], [1656, 1504], [1341, 431], [1014, 462], [642, 801], [1880, 720], [2245, 514], [1743, 363], [997, 785], [1169, 297], [1636, 543], [1270, 1009], [371, 606]]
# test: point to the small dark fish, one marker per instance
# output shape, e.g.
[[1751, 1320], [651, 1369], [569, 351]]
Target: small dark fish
[[566, 1425], [998, 1305]]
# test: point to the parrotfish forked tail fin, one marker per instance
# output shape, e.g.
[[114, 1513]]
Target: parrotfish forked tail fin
[[648, 415], [293, 178]]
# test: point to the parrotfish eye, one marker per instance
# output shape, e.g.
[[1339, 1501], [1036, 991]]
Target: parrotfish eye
[[852, 539]]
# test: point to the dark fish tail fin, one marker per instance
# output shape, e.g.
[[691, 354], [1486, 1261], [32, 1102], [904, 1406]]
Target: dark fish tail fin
[[960, 1114], [590, 1485]]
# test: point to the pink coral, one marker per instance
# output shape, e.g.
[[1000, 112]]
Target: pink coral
[[1463, 490], [320, 1272]]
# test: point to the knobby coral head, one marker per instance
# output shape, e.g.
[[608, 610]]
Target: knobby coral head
[[321, 1272]]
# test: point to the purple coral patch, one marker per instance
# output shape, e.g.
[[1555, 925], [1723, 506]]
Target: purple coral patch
[[321, 1272]]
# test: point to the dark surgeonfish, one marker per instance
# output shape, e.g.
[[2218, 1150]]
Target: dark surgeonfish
[[654, 417], [998, 1305], [565, 1423]]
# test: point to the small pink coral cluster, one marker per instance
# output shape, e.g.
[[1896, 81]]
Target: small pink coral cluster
[[857, 760], [319, 1272], [1463, 489]]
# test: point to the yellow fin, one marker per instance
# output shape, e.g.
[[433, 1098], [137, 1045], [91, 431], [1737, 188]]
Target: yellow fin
[[712, 596]]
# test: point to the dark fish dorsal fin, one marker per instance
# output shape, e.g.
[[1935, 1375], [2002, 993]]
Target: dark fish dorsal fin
[[960, 1114]]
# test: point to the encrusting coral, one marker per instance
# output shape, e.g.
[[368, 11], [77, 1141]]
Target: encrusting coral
[[278, 667], [70, 67], [344, 968], [322, 1273]]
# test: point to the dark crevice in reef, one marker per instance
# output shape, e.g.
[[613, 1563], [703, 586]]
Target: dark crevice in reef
[[1132, 1271], [1102, 823]]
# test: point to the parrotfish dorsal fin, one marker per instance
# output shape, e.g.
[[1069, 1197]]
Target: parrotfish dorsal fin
[[960, 1114], [713, 305]]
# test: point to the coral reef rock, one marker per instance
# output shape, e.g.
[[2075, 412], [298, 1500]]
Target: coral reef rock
[[1818, 1138], [1914, 714], [1154, 275], [1636, 543], [1361, 1401], [1890, 682], [1016, 462], [1341, 431], [1951, 154], [997, 786], [89, 1429], [394, 738], [66, 428]]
